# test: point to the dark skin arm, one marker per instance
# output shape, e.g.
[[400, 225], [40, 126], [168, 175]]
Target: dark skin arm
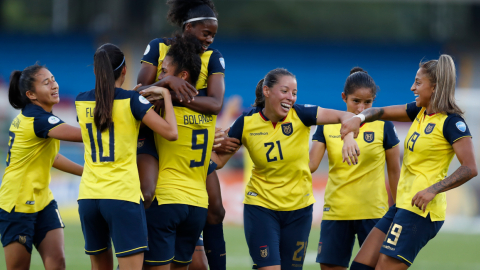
[[182, 89], [464, 150]]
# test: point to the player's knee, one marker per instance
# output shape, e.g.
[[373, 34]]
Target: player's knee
[[55, 262], [216, 215]]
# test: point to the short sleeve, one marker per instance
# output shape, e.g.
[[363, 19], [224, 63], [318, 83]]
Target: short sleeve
[[455, 128], [319, 136], [152, 52], [307, 114], [412, 110], [216, 64], [139, 105], [236, 130], [390, 137], [44, 122], [212, 166]]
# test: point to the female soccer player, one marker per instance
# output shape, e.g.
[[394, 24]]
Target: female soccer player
[[28, 212], [438, 132], [110, 199], [197, 18], [278, 198], [349, 187]]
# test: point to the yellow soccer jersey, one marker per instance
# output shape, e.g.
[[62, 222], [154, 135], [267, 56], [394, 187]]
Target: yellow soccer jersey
[[212, 60], [110, 170], [281, 179], [29, 159], [183, 164], [349, 187], [427, 156]]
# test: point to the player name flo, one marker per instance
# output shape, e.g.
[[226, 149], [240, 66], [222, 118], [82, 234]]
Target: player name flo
[[197, 119]]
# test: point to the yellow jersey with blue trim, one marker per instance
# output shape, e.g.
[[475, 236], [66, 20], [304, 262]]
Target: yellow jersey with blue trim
[[30, 157], [183, 164], [212, 60], [362, 184], [427, 155], [110, 170], [281, 179]]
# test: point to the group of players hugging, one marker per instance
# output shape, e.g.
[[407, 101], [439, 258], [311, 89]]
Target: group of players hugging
[[149, 182]]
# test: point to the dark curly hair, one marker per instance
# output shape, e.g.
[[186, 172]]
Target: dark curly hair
[[182, 10], [359, 78], [184, 51]]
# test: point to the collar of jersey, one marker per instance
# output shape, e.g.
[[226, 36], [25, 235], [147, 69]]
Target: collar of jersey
[[266, 119]]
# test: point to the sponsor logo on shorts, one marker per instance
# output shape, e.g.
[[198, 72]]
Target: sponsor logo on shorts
[[30, 202], [258, 133], [319, 247], [250, 193], [22, 239], [388, 247], [140, 144], [264, 251]]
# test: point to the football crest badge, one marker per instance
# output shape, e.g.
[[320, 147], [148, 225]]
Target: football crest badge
[[287, 129], [22, 239], [264, 251], [429, 128], [369, 136]]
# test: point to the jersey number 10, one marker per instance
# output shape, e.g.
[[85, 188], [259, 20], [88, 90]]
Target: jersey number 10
[[9, 154], [111, 144]]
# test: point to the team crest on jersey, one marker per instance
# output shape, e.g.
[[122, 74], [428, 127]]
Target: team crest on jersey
[[22, 239], [287, 129], [429, 128], [369, 136], [264, 251]]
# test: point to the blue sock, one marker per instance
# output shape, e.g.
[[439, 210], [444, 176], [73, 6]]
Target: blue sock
[[215, 246], [358, 266]]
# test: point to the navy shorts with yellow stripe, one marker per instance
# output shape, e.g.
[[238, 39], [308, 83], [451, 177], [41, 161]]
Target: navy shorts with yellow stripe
[[146, 142], [337, 238], [174, 231], [122, 221], [29, 228], [406, 233], [277, 237]]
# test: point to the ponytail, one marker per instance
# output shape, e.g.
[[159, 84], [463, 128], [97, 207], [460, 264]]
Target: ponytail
[[442, 73], [107, 62], [20, 83], [259, 97]]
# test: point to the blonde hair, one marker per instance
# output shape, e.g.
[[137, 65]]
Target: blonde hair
[[442, 73]]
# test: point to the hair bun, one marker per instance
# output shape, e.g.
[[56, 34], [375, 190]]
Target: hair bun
[[357, 69]]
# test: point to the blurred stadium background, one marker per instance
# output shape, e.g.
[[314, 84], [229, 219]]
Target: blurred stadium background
[[318, 40]]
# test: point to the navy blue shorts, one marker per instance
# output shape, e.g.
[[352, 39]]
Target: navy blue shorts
[[277, 237], [407, 233], [28, 229], [173, 230], [122, 221], [337, 238], [146, 142]]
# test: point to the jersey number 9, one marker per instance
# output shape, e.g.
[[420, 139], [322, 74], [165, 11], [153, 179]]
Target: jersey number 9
[[9, 154], [199, 146], [111, 144]]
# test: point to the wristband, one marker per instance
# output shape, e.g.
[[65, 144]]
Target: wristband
[[361, 116]]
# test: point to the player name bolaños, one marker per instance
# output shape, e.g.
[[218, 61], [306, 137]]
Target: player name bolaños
[[197, 119]]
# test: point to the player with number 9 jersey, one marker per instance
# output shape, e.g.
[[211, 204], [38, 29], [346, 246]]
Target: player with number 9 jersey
[[110, 200], [279, 196]]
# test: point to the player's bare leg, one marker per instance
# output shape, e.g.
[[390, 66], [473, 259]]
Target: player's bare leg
[[325, 266], [388, 263], [199, 259], [17, 256], [132, 262], [148, 173], [370, 250], [52, 250], [102, 261]]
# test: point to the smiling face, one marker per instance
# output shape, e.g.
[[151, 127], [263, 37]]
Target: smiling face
[[204, 31], [170, 69], [280, 98], [358, 101], [423, 89], [46, 89]]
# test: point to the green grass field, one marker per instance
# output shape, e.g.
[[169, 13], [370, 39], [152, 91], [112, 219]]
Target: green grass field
[[446, 251]]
